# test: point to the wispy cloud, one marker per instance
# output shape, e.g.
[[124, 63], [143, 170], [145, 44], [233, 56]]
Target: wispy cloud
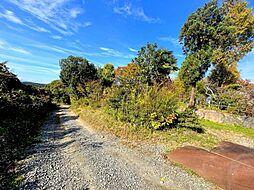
[[64, 51], [18, 59], [57, 37], [133, 50], [6, 46], [114, 53], [39, 29], [172, 40], [10, 16], [19, 50], [34, 27], [87, 24], [58, 14], [128, 10], [74, 12]]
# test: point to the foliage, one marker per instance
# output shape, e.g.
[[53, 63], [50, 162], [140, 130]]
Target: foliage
[[154, 64], [194, 67], [236, 102], [197, 36], [8, 80], [58, 92], [234, 38], [189, 119], [218, 35], [21, 110], [223, 74], [172, 139], [234, 35], [153, 107], [107, 75], [234, 98], [198, 32], [75, 72], [128, 75]]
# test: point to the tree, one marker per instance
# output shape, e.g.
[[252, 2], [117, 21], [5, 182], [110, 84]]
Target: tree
[[223, 74], [198, 39], [193, 70], [75, 72], [58, 91], [8, 80], [107, 75], [127, 75], [154, 64], [234, 37], [216, 35]]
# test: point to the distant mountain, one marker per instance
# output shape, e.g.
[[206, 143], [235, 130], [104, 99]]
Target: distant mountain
[[34, 84]]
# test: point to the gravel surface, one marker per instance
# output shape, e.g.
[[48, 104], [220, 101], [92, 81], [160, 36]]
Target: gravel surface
[[73, 156]]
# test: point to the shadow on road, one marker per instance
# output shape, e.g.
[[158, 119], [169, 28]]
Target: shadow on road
[[52, 141]]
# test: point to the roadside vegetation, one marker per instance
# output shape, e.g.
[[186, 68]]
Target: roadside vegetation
[[22, 109], [141, 101]]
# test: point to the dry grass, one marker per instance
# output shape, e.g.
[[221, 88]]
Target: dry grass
[[172, 138]]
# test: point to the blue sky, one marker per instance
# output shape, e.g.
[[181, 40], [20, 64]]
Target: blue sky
[[34, 35]]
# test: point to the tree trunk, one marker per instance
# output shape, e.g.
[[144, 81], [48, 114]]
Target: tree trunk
[[192, 97]]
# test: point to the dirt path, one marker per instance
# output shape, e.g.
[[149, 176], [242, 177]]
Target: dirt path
[[72, 156]]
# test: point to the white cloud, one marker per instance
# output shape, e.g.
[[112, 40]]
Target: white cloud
[[87, 24], [137, 12], [10, 16], [114, 53], [57, 37], [6, 46], [110, 52], [33, 68], [39, 29], [19, 50], [74, 12], [106, 49], [15, 58], [171, 40], [55, 13], [133, 50]]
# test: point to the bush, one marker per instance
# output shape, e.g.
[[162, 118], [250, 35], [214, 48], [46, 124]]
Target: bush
[[21, 110], [152, 107], [236, 102], [58, 92]]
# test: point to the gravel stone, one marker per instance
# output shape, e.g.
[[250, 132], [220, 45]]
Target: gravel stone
[[71, 155]]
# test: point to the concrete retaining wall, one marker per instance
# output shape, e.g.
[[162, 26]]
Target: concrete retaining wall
[[219, 117]]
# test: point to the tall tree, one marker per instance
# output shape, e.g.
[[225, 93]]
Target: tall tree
[[198, 39], [154, 64], [234, 38], [216, 35], [75, 72]]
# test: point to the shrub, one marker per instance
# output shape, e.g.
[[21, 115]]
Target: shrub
[[236, 102], [152, 107], [21, 110], [58, 92]]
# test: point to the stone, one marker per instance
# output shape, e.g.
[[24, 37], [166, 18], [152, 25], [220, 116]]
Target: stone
[[225, 118]]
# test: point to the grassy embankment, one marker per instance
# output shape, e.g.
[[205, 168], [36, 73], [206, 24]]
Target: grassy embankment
[[212, 135]]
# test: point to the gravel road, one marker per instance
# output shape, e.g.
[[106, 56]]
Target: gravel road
[[71, 155]]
